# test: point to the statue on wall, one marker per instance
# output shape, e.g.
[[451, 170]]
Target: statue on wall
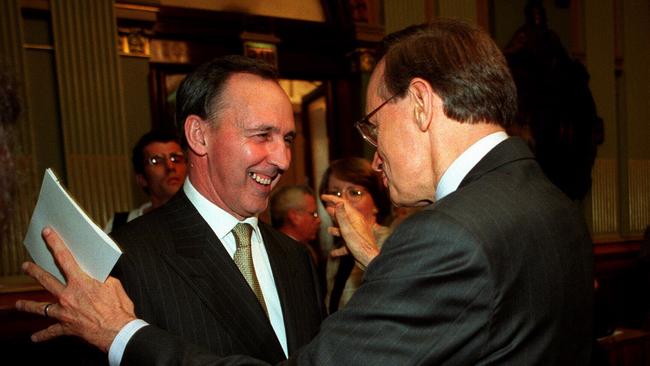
[[557, 114]]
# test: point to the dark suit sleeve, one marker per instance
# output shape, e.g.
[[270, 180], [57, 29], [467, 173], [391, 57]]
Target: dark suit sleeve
[[429, 283], [154, 346], [426, 296]]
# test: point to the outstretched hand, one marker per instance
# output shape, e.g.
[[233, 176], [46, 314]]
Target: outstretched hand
[[86, 308], [356, 232]]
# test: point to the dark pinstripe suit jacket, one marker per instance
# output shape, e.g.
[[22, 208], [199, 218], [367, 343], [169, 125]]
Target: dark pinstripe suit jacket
[[497, 273], [182, 279]]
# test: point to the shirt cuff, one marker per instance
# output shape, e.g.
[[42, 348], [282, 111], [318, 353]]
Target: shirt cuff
[[116, 351]]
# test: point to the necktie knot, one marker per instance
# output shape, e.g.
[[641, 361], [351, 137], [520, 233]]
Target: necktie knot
[[242, 232]]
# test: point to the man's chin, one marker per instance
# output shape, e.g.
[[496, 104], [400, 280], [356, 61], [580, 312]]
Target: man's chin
[[173, 185], [171, 190], [256, 208]]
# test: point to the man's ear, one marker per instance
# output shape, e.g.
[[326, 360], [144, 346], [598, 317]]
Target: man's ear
[[195, 133], [425, 103], [141, 180]]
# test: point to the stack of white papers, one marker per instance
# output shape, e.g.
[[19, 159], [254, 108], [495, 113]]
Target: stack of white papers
[[95, 252]]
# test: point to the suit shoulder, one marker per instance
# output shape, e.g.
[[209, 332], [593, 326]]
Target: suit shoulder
[[144, 231]]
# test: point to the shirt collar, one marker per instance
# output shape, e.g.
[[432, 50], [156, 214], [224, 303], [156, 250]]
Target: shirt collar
[[220, 221], [465, 162]]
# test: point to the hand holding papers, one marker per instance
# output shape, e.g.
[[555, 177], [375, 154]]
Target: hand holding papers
[[85, 307], [93, 249], [90, 304]]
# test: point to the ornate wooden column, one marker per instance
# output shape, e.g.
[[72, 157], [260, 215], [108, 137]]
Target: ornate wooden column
[[12, 251], [92, 111], [603, 210], [636, 78]]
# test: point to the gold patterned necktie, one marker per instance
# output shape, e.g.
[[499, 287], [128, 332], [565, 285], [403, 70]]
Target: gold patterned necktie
[[244, 260]]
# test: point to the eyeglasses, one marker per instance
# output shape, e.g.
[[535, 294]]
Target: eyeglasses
[[368, 130], [157, 160], [350, 193]]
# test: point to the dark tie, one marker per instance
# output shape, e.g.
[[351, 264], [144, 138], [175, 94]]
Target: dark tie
[[244, 259]]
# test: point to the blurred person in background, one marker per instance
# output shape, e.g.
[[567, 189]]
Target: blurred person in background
[[353, 180], [294, 213], [159, 165]]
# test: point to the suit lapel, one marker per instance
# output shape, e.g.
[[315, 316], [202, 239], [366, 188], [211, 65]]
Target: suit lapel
[[201, 260]]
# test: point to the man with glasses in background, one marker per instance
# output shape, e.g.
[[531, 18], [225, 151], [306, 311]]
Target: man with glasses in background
[[159, 166], [294, 213]]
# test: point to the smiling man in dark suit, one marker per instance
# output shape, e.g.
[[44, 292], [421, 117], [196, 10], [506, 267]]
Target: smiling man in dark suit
[[178, 262], [497, 270]]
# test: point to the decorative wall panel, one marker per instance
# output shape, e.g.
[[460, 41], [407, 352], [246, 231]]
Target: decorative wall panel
[[92, 111], [604, 197], [12, 251], [459, 9], [639, 190]]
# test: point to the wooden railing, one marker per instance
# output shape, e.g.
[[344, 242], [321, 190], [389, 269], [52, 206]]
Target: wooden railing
[[623, 301]]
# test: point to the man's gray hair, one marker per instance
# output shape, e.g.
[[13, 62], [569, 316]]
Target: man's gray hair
[[284, 199]]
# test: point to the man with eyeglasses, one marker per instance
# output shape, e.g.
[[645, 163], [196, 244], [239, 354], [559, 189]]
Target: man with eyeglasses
[[159, 166], [294, 213], [497, 270]]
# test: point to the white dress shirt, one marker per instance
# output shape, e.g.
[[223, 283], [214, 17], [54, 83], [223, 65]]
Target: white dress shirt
[[222, 223], [465, 162]]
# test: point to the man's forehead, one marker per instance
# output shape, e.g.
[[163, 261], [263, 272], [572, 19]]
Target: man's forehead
[[253, 90], [254, 102], [243, 82], [162, 145]]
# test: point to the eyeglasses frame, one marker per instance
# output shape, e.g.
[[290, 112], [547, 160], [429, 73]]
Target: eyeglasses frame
[[340, 194], [364, 126], [171, 157]]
